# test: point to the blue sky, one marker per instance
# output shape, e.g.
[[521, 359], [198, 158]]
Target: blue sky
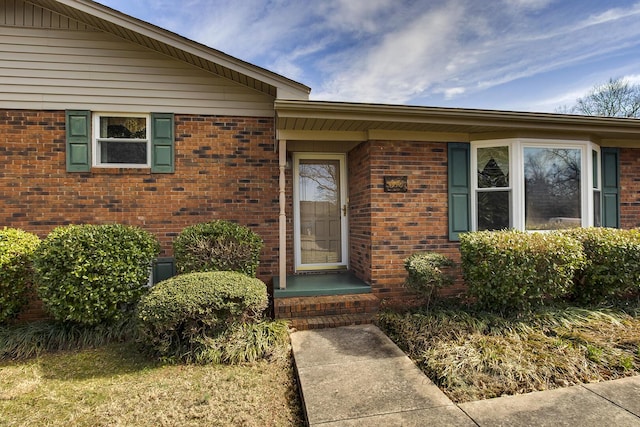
[[521, 55]]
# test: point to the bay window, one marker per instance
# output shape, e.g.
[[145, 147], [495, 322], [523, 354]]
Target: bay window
[[531, 184]]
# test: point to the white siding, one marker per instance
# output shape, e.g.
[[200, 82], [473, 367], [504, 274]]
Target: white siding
[[55, 69]]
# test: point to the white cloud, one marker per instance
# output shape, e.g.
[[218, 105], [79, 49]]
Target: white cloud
[[633, 79], [249, 28], [361, 16], [528, 4], [564, 99], [612, 15], [402, 64], [453, 92]]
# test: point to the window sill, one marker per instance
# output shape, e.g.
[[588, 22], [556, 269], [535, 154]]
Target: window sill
[[120, 171]]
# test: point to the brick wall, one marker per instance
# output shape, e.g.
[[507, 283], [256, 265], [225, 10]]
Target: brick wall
[[226, 168], [388, 227], [629, 187], [399, 224], [359, 163]]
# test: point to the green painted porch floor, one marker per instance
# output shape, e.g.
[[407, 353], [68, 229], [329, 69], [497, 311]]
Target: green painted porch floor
[[299, 285]]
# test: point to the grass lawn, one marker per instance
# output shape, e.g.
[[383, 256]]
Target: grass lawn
[[114, 385], [473, 356]]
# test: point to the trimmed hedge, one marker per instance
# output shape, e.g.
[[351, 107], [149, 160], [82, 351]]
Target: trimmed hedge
[[89, 274], [509, 271], [217, 246], [179, 314], [425, 273], [16, 270], [613, 263]]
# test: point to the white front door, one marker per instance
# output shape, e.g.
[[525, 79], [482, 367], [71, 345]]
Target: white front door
[[320, 211]]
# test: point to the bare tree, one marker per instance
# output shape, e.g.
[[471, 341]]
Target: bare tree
[[616, 98], [325, 177]]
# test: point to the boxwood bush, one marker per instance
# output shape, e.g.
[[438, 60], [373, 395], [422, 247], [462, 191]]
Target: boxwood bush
[[427, 272], [612, 267], [513, 271], [217, 246], [90, 274], [179, 314], [16, 270]]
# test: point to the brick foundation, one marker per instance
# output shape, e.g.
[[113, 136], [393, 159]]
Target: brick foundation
[[315, 312]]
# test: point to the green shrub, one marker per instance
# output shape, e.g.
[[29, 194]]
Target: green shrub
[[90, 274], [180, 313], [16, 270], [31, 339], [247, 342], [217, 246], [426, 274], [612, 267], [509, 271]]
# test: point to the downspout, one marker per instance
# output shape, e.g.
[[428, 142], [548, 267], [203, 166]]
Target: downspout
[[282, 147]]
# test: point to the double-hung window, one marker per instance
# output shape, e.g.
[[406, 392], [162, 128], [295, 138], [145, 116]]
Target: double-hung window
[[121, 140], [493, 187], [530, 184]]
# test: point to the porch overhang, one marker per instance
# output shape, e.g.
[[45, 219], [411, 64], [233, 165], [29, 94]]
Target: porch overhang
[[352, 122]]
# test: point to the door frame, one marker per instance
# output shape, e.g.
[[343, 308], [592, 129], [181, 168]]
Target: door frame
[[344, 218]]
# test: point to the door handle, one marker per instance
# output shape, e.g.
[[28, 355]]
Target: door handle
[[344, 209]]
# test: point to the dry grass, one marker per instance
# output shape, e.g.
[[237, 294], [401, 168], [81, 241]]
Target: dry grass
[[479, 356], [115, 386]]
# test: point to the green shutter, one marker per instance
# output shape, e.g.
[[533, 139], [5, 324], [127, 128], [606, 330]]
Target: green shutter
[[162, 143], [459, 190], [610, 188], [163, 269], [78, 129]]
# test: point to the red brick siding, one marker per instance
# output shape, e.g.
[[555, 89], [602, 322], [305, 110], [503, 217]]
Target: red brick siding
[[226, 168], [400, 223], [359, 165], [629, 187]]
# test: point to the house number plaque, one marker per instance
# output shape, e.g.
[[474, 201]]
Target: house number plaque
[[395, 184]]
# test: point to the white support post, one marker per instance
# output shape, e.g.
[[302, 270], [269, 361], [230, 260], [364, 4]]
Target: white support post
[[282, 147]]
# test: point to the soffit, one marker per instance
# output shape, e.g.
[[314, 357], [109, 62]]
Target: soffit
[[298, 117], [175, 46]]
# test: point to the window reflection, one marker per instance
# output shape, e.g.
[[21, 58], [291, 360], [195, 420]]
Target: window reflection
[[494, 195], [552, 188]]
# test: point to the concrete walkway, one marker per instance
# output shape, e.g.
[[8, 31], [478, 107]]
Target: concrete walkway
[[356, 376]]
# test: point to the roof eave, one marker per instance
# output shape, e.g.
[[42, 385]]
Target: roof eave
[[456, 116]]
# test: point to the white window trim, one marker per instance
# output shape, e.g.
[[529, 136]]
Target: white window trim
[[590, 187], [516, 175], [474, 177], [95, 140]]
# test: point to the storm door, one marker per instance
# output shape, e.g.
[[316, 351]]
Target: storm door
[[320, 211]]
